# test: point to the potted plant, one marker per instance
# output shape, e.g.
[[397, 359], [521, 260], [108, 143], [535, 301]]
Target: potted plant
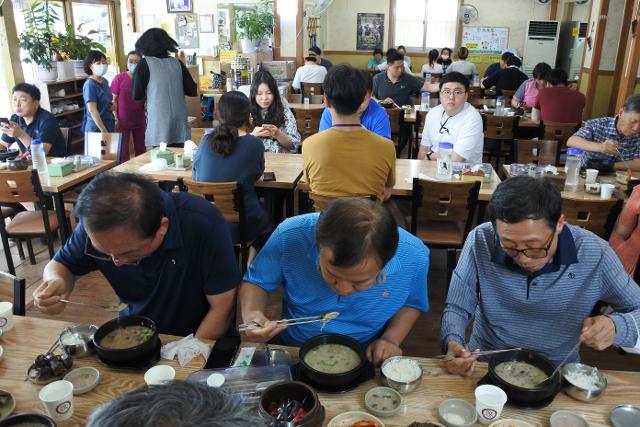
[[75, 47], [38, 38], [255, 25]]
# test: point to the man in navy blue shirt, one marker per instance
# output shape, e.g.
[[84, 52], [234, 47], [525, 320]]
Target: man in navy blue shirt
[[372, 115], [167, 255], [30, 122]]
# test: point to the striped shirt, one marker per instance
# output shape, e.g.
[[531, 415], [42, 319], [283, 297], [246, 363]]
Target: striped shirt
[[542, 312], [599, 130], [290, 260]]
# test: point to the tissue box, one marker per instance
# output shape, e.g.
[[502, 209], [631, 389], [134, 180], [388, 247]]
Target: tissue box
[[167, 155], [60, 168]]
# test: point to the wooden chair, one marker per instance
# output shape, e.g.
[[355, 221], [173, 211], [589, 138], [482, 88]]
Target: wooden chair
[[498, 137], [66, 134], [435, 77], [308, 121], [309, 89], [316, 99], [597, 215], [542, 152], [373, 72], [198, 133], [13, 289], [475, 92], [561, 132], [20, 187], [508, 94], [319, 202], [294, 98], [442, 213], [396, 120], [95, 146], [228, 197]]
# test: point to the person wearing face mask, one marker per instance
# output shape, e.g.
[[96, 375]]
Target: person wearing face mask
[[530, 280], [98, 98], [445, 58], [130, 114]]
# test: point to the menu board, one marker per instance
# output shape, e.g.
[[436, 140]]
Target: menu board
[[485, 44]]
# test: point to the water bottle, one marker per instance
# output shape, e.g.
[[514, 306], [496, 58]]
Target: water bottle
[[475, 80], [572, 167], [499, 106], [37, 156], [445, 152], [424, 101]]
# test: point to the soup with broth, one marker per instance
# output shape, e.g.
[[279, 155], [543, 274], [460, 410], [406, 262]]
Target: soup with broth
[[521, 374], [332, 358], [126, 337]]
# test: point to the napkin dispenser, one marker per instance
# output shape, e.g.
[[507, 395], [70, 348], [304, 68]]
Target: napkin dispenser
[[60, 168], [163, 154]]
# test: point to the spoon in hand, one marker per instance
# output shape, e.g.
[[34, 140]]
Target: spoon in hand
[[553, 374], [115, 307]]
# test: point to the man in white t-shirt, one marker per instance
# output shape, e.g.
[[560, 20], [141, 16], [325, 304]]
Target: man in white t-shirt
[[310, 72], [455, 121]]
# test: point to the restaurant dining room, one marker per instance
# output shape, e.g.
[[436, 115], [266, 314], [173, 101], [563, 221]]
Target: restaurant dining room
[[310, 213]]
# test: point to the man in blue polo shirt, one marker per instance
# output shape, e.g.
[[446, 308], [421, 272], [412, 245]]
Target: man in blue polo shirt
[[352, 258], [30, 122], [529, 280], [167, 255], [372, 115]]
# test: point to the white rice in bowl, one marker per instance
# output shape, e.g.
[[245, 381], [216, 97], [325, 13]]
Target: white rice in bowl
[[402, 369]]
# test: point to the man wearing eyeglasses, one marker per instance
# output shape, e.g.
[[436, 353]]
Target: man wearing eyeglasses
[[530, 280], [454, 121], [351, 258], [167, 255]]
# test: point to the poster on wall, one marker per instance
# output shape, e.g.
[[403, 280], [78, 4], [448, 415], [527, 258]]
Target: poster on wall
[[485, 44], [370, 32], [187, 31]]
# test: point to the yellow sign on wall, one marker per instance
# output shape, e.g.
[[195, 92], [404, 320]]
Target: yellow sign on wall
[[227, 55]]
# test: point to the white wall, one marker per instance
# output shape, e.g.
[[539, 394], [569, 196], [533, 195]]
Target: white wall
[[612, 35]]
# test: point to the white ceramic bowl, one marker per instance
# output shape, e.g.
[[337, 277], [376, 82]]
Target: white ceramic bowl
[[159, 374], [347, 419], [453, 409], [83, 379], [391, 399], [567, 418], [510, 422]]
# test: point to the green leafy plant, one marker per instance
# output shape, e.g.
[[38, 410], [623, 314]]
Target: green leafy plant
[[256, 24], [72, 45], [39, 37]]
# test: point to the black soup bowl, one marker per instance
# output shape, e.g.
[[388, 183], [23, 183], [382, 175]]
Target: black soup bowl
[[28, 419], [334, 380], [130, 354], [547, 389]]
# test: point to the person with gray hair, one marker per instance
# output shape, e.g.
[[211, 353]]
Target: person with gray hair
[[612, 141], [174, 404]]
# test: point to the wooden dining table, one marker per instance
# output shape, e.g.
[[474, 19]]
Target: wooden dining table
[[287, 169], [32, 336], [56, 186], [301, 106]]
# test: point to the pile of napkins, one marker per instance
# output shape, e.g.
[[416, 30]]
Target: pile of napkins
[[187, 348]]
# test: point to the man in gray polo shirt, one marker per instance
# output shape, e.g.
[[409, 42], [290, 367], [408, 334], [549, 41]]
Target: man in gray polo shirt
[[531, 281]]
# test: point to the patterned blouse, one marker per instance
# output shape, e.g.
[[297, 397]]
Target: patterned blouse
[[290, 128]]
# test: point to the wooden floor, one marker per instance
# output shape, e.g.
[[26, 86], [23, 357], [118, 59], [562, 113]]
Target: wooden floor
[[422, 341]]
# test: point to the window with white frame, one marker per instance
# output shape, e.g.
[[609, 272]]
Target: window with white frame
[[425, 24]]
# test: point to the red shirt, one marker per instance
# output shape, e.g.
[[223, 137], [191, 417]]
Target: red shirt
[[130, 112], [560, 104]]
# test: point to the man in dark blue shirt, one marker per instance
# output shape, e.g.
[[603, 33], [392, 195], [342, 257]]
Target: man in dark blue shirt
[[30, 122], [167, 255]]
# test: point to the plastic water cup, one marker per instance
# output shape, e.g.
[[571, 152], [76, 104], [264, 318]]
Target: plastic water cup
[[159, 374], [58, 399], [306, 102], [606, 191], [592, 174], [6, 316], [489, 403]]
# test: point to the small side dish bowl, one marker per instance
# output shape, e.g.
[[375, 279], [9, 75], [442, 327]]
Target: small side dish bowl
[[457, 413], [159, 374], [585, 382], [77, 341], [402, 373], [383, 401], [510, 422], [7, 404], [593, 188], [15, 164], [83, 379], [567, 419], [348, 419]]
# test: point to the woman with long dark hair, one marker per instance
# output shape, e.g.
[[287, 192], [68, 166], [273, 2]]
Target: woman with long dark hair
[[230, 153], [273, 120], [164, 81], [432, 67]]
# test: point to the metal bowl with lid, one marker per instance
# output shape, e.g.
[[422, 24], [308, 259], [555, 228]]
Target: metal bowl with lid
[[77, 341]]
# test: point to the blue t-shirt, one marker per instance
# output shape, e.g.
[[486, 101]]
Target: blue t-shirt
[[290, 260], [374, 119], [245, 164], [44, 127], [170, 286], [101, 94]]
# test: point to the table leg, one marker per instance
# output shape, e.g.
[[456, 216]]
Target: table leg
[[58, 205]]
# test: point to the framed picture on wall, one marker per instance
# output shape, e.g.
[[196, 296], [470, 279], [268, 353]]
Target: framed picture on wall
[[370, 31], [206, 23], [179, 6]]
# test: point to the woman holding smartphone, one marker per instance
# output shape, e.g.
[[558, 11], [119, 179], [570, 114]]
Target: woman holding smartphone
[[230, 153], [273, 120]]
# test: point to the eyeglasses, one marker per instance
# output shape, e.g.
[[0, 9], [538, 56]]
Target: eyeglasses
[[443, 128], [456, 93], [533, 253], [103, 257]]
